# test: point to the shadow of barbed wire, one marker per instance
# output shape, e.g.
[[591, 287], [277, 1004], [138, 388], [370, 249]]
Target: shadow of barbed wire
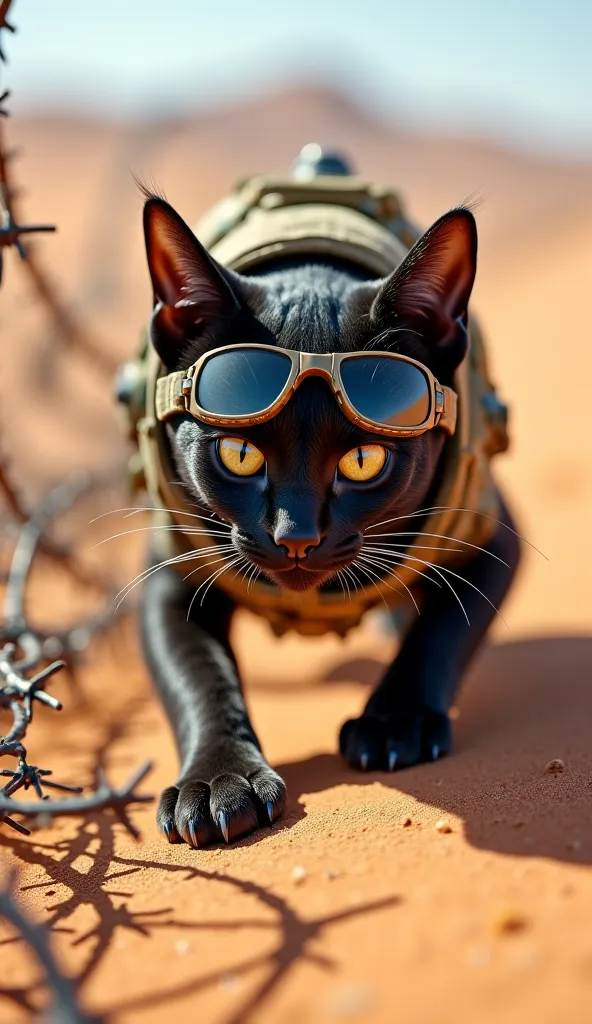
[[91, 887]]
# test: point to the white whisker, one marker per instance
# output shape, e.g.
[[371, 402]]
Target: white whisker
[[344, 580], [254, 576], [246, 564], [391, 572], [396, 556], [423, 561], [146, 573], [189, 530], [135, 509], [370, 573], [452, 508], [416, 547], [443, 536], [223, 558], [463, 579], [348, 573], [211, 579]]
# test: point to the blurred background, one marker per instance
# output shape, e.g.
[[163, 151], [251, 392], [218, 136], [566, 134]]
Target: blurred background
[[442, 101]]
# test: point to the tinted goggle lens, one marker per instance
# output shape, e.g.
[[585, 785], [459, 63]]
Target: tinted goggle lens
[[388, 391], [242, 381]]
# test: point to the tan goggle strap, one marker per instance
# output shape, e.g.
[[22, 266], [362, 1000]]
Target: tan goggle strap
[[170, 400], [447, 407]]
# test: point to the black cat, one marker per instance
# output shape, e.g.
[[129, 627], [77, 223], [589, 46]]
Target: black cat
[[300, 513]]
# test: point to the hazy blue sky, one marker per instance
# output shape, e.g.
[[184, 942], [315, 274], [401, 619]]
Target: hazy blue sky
[[520, 70]]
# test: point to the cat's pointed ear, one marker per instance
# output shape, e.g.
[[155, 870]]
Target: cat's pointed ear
[[430, 290], [190, 289]]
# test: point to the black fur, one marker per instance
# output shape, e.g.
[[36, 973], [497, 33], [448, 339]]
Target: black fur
[[299, 502]]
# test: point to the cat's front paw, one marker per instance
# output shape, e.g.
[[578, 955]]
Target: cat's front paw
[[221, 798], [390, 742]]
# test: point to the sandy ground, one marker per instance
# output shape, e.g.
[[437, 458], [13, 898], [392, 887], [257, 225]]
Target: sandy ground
[[354, 907]]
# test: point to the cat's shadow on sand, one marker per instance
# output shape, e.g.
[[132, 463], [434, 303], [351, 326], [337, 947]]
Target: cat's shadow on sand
[[523, 704]]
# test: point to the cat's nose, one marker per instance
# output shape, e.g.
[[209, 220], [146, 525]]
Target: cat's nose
[[297, 545]]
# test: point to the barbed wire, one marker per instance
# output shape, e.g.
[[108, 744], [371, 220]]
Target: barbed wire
[[25, 648], [26, 651]]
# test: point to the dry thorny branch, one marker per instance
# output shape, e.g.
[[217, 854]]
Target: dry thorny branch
[[26, 650]]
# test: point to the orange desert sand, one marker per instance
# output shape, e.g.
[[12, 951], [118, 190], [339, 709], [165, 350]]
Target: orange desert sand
[[459, 891]]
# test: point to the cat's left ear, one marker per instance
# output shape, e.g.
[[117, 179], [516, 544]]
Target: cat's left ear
[[430, 290], [190, 289]]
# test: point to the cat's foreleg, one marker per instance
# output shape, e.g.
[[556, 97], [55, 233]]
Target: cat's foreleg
[[225, 786], [406, 718]]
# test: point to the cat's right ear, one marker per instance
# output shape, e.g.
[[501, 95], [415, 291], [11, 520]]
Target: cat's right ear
[[190, 289]]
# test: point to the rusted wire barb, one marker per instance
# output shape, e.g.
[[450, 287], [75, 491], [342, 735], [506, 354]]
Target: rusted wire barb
[[64, 1008], [10, 231], [106, 797], [24, 649], [17, 694], [68, 329], [4, 9]]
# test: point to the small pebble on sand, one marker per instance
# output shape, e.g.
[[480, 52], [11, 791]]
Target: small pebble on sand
[[331, 874], [555, 766], [298, 874], [407, 822], [478, 956], [509, 921], [182, 946], [443, 826], [230, 982], [351, 1002]]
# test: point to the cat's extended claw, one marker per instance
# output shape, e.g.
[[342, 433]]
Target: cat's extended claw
[[224, 826], [170, 832], [392, 742], [229, 807]]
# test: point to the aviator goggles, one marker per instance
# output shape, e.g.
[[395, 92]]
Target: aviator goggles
[[242, 385]]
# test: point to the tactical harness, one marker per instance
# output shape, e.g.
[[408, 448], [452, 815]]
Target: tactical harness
[[364, 224]]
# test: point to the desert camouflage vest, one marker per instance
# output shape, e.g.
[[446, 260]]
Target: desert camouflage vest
[[364, 224]]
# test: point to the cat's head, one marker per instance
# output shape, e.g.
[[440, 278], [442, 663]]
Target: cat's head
[[298, 516]]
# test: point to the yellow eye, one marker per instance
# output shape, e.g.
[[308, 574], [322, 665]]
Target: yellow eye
[[363, 463], [240, 456]]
